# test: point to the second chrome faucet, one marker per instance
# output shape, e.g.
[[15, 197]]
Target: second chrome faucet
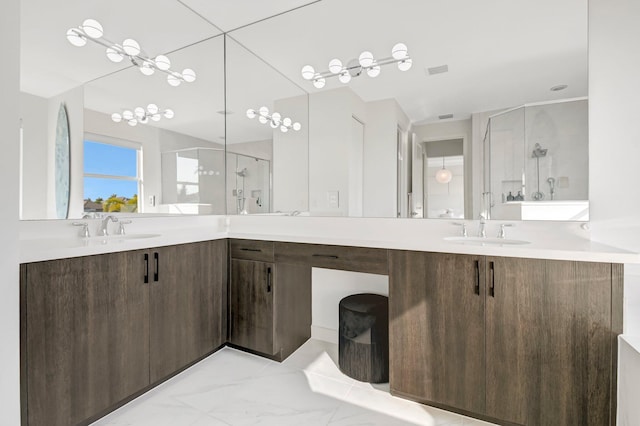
[[102, 229]]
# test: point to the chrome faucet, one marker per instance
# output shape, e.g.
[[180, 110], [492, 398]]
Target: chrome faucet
[[463, 226], [102, 230], [482, 233], [501, 233]]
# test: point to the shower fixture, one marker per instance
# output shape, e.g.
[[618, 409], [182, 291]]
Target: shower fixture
[[537, 153], [242, 173], [552, 187]]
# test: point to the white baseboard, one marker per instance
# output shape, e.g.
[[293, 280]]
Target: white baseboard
[[326, 334]]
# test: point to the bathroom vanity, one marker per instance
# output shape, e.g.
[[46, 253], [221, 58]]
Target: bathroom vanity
[[514, 340]]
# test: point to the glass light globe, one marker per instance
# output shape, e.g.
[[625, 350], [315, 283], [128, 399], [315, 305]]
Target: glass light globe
[[92, 28], [155, 117], [127, 115], [373, 71], [319, 83], [251, 113], [173, 80], [399, 51], [405, 65], [273, 124], [116, 117], [133, 122], [264, 111], [366, 59], [284, 129], [296, 126], [113, 55], [131, 47], [286, 122], [146, 68], [276, 117], [189, 75], [443, 176], [139, 112], [345, 77], [75, 38], [335, 66], [144, 120], [308, 72], [168, 113], [262, 119], [152, 109], [162, 62]]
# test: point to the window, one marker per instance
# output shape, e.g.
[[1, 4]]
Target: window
[[111, 175]]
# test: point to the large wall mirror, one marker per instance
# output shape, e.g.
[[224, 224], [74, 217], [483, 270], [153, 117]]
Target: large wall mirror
[[430, 141], [485, 113], [143, 84]]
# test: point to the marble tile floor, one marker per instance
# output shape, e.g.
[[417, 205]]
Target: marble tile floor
[[235, 388]]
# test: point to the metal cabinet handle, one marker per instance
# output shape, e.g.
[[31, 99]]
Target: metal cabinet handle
[[156, 268], [250, 249], [328, 256], [146, 268], [269, 280], [492, 285], [477, 282]]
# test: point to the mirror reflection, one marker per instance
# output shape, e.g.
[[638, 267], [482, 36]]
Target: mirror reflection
[[133, 94], [463, 68]]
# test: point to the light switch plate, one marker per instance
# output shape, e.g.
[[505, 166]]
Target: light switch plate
[[333, 199]]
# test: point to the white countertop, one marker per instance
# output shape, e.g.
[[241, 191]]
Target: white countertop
[[46, 240]]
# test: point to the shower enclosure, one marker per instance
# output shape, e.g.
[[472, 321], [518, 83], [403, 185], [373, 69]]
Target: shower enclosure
[[193, 182], [536, 162], [248, 184]]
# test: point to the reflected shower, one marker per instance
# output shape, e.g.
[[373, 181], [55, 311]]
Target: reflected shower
[[537, 153]]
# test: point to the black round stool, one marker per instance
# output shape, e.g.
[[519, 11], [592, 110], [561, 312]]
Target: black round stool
[[363, 344]]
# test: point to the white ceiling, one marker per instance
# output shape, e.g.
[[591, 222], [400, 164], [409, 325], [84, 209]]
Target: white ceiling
[[500, 53]]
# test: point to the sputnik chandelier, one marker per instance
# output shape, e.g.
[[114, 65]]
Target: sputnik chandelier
[[141, 115], [275, 120], [365, 62], [92, 30]]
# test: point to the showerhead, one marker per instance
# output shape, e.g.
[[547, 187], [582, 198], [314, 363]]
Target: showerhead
[[242, 173], [538, 151]]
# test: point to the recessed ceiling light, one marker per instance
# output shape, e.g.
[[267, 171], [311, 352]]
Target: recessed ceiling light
[[558, 87], [437, 70], [445, 116]]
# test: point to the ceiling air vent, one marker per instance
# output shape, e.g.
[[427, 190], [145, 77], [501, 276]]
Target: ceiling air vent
[[438, 70], [445, 116]]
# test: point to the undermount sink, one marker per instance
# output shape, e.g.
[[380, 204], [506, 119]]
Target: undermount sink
[[479, 241], [125, 237], [67, 243]]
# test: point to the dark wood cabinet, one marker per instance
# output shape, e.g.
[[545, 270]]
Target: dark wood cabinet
[[85, 336], [516, 341], [187, 295], [251, 322], [549, 345], [94, 333], [436, 328], [269, 301]]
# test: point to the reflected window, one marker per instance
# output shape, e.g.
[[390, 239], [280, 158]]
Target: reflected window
[[111, 176]]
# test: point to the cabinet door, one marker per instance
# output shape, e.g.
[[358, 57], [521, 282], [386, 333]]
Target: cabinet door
[[436, 330], [86, 335], [548, 341], [251, 305], [187, 299]]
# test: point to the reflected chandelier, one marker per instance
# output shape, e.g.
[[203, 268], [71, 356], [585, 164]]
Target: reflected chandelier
[[365, 62], [275, 120], [92, 30], [141, 115]]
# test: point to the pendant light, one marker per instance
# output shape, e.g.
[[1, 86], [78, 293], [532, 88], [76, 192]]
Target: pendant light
[[443, 175]]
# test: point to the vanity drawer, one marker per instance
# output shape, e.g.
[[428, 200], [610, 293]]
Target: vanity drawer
[[358, 259], [252, 250]]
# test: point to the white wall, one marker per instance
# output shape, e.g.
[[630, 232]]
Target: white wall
[[291, 158], [614, 150], [34, 113], [9, 175]]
